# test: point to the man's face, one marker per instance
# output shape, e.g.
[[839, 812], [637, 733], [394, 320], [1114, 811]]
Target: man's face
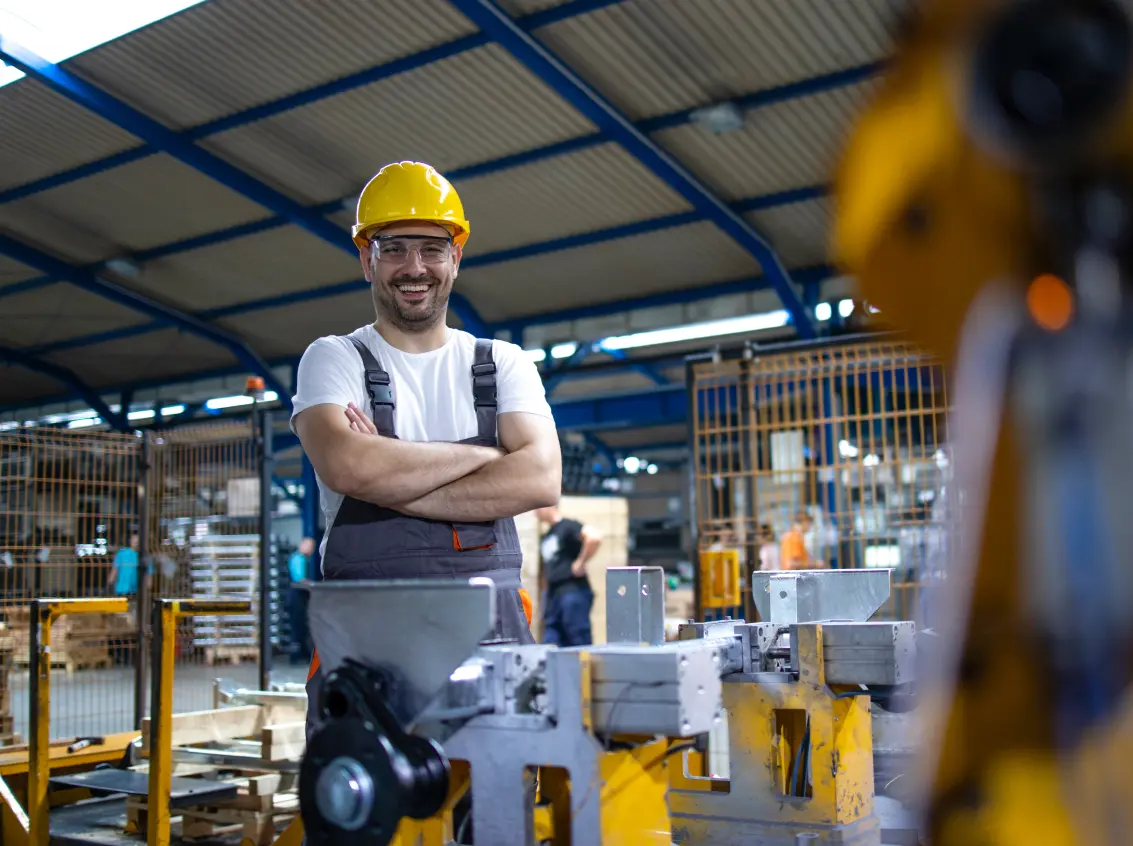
[[411, 268]]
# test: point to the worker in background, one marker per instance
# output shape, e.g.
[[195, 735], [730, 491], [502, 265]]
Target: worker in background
[[566, 547], [299, 569], [425, 440], [794, 554], [769, 554], [123, 576]]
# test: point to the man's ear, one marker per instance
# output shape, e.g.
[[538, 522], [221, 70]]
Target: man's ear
[[457, 254]]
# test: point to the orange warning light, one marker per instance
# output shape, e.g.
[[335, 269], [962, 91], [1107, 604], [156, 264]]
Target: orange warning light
[[254, 384], [1050, 302]]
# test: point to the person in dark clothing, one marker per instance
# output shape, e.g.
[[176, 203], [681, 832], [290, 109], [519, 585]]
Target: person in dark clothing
[[566, 548]]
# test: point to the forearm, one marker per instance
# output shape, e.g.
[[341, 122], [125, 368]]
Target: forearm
[[387, 471], [518, 482]]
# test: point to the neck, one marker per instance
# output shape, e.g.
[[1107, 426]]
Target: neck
[[428, 340]]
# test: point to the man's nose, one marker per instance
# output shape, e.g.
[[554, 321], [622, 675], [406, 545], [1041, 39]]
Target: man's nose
[[413, 264]]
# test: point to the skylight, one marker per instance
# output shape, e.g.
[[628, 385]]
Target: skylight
[[59, 29]]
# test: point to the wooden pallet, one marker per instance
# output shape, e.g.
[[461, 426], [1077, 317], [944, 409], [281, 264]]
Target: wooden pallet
[[231, 654], [72, 665]]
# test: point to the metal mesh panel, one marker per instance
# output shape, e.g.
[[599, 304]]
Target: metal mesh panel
[[851, 434], [68, 512], [203, 533]]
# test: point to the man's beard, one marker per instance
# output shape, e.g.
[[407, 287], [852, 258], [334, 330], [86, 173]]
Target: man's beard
[[414, 317]]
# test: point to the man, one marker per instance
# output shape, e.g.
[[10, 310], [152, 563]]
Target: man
[[425, 441], [298, 567], [794, 553], [566, 548], [123, 576]]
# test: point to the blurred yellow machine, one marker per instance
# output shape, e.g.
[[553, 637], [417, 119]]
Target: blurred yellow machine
[[984, 203]]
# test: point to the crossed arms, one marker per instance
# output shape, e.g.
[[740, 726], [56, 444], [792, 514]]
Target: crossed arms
[[436, 480]]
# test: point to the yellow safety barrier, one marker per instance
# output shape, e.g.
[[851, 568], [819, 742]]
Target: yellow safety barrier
[[166, 614], [43, 614]]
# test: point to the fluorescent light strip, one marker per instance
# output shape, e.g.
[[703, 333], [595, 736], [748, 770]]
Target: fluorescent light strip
[[696, 331], [56, 30]]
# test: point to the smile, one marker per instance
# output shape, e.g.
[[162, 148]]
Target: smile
[[412, 289]]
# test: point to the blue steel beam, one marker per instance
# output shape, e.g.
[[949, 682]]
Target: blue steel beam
[[471, 319], [494, 21], [536, 20], [89, 282], [68, 378]]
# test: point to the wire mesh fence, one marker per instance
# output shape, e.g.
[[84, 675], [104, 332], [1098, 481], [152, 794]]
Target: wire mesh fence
[[103, 514], [814, 456]]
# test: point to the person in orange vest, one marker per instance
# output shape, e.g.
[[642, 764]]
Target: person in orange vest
[[426, 441], [793, 553]]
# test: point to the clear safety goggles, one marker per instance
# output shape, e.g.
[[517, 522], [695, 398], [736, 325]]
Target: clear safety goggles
[[397, 249]]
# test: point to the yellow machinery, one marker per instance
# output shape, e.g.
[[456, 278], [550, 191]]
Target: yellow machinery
[[405, 727], [983, 201]]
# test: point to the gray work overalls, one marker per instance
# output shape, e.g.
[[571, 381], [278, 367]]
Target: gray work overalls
[[369, 541]]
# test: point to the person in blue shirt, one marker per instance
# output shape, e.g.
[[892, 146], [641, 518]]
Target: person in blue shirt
[[123, 577], [298, 566]]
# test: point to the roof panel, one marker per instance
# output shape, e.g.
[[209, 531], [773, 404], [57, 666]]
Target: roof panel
[[799, 232], [288, 330], [59, 311], [668, 260], [44, 133], [466, 109], [227, 55], [165, 354], [566, 195], [644, 437], [656, 56], [144, 204], [12, 271], [18, 385], [269, 263], [519, 8], [787, 145]]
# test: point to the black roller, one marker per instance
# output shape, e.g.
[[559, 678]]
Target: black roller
[[1047, 73], [361, 773]]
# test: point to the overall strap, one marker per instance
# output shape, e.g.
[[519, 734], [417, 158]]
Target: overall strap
[[378, 388], [484, 390]]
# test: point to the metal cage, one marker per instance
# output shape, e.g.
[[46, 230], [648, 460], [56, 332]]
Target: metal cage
[[852, 433]]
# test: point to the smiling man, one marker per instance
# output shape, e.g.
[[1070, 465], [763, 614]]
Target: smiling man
[[465, 437]]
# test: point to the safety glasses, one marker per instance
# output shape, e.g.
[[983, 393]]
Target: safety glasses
[[397, 249]]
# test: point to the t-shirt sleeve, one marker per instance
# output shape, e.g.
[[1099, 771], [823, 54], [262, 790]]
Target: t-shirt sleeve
[[518, 384], [328, 372]]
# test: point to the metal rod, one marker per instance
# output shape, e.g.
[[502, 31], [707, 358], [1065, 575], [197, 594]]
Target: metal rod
[[141, 618], [266, 581], [39, 718]]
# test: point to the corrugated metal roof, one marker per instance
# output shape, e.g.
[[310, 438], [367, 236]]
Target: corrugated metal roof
[[566, 195], [42, 133], [466, 109], [224, 56], [517, 8], [59, 311], [269, 263], [288, 330], [651, 57], [12, 272], [19, 385], [144, 204], [659, 261], [168, 353], [783, 146], [798, 231]]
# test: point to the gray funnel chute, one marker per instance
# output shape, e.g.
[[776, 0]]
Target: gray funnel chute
[[819, 596], [419, 631]]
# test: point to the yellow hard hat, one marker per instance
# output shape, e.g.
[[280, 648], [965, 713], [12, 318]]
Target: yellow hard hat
[[405, 191]]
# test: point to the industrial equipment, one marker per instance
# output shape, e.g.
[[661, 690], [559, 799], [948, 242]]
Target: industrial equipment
[[985, 204], [603, 741]]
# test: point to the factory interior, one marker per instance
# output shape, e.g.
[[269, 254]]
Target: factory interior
[[566, 422]]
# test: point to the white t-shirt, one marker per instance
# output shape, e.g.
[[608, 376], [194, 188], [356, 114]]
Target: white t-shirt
[[432, 391]]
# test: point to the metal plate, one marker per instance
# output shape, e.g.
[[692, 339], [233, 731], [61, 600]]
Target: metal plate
[[418, 630], [635, 605], [111, 782], [820, 596]]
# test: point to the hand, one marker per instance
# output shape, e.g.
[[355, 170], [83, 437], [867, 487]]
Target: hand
[[578, 569], [360, 422]]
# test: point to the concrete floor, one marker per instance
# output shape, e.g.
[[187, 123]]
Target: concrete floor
[[98, 702]]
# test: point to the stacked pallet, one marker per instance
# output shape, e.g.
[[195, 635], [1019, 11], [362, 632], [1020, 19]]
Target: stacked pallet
[[78, 641], [226, 567], [7, 651]]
